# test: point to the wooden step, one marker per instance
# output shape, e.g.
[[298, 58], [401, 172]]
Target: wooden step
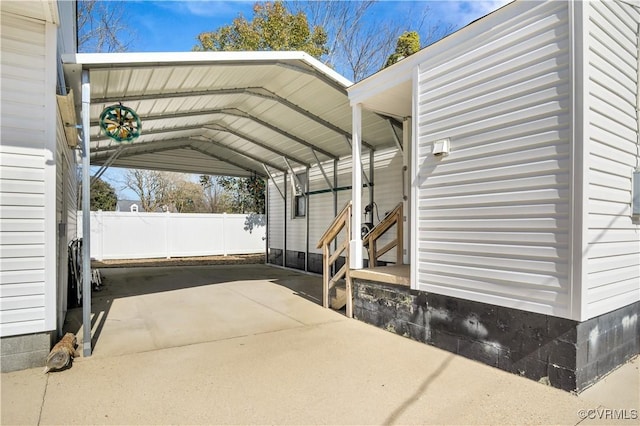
[[339, 300]]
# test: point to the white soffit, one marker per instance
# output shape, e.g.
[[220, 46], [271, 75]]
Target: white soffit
[[224, 113]]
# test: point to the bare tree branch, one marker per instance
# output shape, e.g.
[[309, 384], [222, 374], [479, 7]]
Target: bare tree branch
[[360, 38], [103, 27]]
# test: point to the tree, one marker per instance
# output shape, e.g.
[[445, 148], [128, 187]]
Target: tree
[[166, 191], [187, 197], [360, 39], [408, 44], [148, 185], [102, 26], [273, 28], [247, 194], [215, 198], [103, 196]]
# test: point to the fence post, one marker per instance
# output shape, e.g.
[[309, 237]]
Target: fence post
[[100, 240], [224, 234], [167, 229]]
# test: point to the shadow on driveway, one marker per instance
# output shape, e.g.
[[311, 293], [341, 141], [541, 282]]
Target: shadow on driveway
[[143, 306]]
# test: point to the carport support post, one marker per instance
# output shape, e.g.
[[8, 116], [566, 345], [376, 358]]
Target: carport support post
[[86, 217], [267, 243], [355, 242], [306, 221], [284, 227]]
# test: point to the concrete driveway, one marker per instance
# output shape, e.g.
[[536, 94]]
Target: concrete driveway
[[251, 345], [150, 308]]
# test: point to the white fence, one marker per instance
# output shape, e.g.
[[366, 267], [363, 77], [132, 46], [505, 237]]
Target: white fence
[[120, 235]]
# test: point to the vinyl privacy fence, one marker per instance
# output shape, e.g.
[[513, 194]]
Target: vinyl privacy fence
[[125, 235]]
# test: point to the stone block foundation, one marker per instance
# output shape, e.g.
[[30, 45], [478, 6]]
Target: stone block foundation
[[566, 354], [25, 351]]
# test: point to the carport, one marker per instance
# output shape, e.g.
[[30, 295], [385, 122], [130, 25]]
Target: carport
[[217, 113]]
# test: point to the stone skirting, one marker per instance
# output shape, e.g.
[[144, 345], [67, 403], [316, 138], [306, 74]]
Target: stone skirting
[[25, 351], [563, 353]]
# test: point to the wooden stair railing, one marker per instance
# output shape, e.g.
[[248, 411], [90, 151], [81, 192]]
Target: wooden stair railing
[[342, 221], [371, 239]]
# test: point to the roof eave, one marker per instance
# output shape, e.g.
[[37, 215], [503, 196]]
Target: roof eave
[[107, 60]]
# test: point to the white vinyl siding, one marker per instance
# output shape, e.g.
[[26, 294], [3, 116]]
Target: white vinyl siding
[[296, 226], [387, 187], [321, 205], [66, 214], [612, 277], [275, 213], [493, 216], [27, 177]]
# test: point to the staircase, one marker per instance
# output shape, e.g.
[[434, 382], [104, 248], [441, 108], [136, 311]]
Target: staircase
[[371, 239], [341, 221], [342, 295]]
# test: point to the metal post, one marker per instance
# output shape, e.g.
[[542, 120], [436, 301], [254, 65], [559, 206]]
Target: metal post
[[335, 206], [406, 189], [266, 219], [284, 242], [355, 241], [371, 178], [306, 219], [86, 217], [335, 185]]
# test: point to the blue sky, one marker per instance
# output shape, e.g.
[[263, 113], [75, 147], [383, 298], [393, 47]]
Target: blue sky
[[167, 26], [172, 26]]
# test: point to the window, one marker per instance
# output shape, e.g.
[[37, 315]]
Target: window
[[299, 198], [300, 206]]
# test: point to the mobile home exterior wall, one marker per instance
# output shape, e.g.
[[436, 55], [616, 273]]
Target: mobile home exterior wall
[[526, 255], [66, 215], [28, 182], [493, 216], [612, 243], [322, 206], [275, 219], [38, 182]]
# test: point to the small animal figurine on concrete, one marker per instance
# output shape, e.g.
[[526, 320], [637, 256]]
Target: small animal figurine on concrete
[[62, 353]]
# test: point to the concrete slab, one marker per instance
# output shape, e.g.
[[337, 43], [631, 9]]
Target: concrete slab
[[22, 396], [307, 366], [615, 399], [143, 309]]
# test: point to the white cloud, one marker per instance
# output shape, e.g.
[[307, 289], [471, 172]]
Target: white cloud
[[214, 8], [208, 8], [461, 13]]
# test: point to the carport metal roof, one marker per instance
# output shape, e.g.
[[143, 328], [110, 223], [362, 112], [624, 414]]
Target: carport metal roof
[[222, 113], [217, 113]]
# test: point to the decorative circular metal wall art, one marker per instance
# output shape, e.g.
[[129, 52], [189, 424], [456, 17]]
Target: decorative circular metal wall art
[[120, 123]]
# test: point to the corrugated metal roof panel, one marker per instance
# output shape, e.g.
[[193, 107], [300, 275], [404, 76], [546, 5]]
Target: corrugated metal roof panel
[[256, 107]]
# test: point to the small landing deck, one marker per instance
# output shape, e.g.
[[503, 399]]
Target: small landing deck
[[392, 274]]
